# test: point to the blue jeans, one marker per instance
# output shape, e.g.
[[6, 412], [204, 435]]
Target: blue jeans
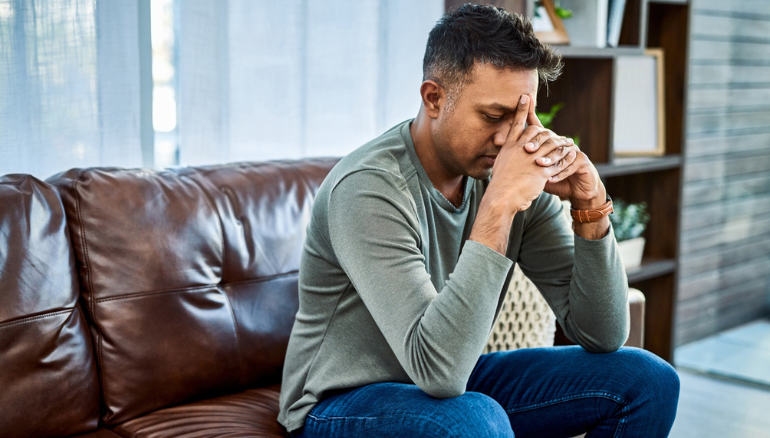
[[538, 392]]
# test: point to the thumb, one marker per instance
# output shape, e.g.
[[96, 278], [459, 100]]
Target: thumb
[[531, 116]]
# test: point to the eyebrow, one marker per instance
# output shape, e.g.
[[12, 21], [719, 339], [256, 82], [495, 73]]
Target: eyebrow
[[501, 107]]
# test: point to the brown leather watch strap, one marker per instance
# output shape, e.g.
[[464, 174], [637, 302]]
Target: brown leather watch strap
[[593, 215]]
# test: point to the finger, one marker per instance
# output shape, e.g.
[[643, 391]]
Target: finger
[[532, 116], [528, 138], [563, 175], [557, 154], [520, 118], [564, 168], [553, 150], [541, 139]]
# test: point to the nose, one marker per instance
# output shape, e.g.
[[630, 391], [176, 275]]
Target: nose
[[501, 134]]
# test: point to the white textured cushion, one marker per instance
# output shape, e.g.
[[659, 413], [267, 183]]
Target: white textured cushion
[[525, 320]]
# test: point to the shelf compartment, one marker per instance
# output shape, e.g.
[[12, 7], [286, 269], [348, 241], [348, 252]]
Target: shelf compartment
[[668, 29], [651, 268], [660, 190], [629, 166], [585, 88], [670, 2], [595, 52]]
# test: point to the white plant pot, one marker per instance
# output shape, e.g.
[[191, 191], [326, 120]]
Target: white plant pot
[[631, 252]]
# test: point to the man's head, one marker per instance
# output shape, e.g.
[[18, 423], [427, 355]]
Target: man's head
[[478, 62], [485, 35]]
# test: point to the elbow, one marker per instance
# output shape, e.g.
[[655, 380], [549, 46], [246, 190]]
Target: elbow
[[609, 344], [442, 388], [603, 348], [605, 338]]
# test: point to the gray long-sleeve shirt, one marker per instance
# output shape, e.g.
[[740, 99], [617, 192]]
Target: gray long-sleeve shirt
[[391, 290]]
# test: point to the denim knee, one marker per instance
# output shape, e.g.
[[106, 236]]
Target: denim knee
[[482, 417], [653, 378]]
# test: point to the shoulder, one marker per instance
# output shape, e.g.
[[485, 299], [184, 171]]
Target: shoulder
[[367, 188], [378, 163]]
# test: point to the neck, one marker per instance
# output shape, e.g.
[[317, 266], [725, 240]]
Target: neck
[[445, 181]]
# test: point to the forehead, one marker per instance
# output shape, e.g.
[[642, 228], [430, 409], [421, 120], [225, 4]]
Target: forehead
[[504, 86]]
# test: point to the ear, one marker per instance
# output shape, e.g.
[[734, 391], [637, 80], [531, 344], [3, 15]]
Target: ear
[[433, 98]]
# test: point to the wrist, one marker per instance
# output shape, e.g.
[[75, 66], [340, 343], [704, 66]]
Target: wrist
[[501, 200], [591, 203], [492, 224]]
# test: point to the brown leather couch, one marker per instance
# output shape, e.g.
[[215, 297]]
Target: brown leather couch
[[140, 303]]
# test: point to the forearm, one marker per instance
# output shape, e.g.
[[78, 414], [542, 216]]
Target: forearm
[[492, 226], [583, 280], [598, 297], [443, 344]]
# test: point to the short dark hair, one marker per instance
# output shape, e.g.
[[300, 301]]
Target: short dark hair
[[485, 34]]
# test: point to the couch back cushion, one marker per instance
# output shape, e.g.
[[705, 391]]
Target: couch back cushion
[[190, 275], [48, 379]]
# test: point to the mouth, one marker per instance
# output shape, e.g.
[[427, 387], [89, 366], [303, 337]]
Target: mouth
[[489, 159]]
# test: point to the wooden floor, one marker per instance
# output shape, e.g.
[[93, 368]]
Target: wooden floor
[[710, 407]]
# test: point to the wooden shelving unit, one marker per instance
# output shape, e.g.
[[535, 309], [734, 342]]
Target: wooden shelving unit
[[586, 89]]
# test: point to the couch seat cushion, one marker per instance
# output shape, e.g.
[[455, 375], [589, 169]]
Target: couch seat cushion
[[99, 433], [251, 413]]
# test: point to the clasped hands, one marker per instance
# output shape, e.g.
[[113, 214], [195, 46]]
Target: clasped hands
[[534, 159]]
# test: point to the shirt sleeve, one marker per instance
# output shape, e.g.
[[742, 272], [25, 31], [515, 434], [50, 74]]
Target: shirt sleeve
[[583, 281], [437, 336]]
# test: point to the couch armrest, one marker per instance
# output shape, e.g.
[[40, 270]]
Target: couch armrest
[[636, 304]]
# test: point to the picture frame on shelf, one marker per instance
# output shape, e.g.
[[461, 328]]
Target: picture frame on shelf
[[548, 27], [588, 25], [639, 100]]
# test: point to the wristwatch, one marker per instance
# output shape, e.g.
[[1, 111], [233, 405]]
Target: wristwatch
[[592, 215]]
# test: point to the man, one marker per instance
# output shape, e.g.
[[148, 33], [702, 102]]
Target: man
[[411, 244]]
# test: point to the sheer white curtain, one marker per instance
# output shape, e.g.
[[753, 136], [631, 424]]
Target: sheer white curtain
[[69, 85], [256, 79], [262, 79]]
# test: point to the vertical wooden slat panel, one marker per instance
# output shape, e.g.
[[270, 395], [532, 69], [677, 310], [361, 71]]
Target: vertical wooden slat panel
[[725, 241]]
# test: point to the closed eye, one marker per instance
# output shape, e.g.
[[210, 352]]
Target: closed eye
[[493, 119]]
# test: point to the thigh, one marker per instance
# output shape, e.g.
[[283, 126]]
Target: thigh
[[404, 410], [566, 391]]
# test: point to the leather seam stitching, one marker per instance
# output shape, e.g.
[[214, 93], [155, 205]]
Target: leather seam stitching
[[195, 288], [91, 304], [118, 433], [17, 183], [212, 203], [158, 292], [264, 279], [241, 364], [35, 318]]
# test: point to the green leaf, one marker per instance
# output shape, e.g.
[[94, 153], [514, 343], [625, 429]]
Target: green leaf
[[547, 118], [563, 13], [629, 220]]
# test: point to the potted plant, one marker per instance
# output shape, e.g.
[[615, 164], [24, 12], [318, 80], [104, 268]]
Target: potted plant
[[629, 222], [546, 118]]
